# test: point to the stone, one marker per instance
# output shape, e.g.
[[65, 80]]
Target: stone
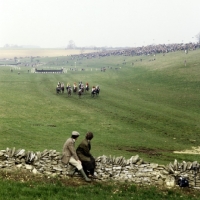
[[139, 162], [189, 166], [165, 172], [135, 159], [13, 152], [153, 165], [184, 166], [35, 171], [159, 182], [19, 165], [175, 165], [20, 152], [29, 167], [170, 182], [108, 168]]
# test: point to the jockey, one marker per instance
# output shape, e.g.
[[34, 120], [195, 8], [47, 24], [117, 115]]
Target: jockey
[[87, 86], [79, 85], [79, 91], [75, 85], [62, 87], [59, 84], [93, 89], [58, 88], [82, 86], [68, 85], [97, 89]]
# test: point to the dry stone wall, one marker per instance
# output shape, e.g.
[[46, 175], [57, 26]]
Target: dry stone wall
[[134, 170]]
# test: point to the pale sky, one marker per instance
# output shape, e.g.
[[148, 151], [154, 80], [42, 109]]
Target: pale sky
[[111, 23]]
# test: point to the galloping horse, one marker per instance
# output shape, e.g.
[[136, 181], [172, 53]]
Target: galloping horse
[[69, 91], [87, 87], [75, 89], [82, 89], [93, 93], [95, 90], [58, 90], [62, 87], [79, 93]]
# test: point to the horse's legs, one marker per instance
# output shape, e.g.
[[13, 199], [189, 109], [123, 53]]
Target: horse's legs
[[92, 94]]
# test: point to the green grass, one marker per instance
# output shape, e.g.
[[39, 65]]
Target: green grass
[[142, 106], [150, 108], [95, 192], [35, 187]]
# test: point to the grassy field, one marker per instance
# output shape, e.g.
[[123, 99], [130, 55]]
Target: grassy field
[[53, 189], [150, 108]]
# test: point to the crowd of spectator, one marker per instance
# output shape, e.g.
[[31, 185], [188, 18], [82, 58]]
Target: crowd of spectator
[[144, 50]]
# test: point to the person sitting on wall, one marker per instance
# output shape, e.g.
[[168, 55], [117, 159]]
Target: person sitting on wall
[[86, 158], [69, 154]]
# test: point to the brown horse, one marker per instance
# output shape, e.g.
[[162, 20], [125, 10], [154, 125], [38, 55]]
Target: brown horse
[[62, 89], [86, 88], [82, 89], [74, 89]]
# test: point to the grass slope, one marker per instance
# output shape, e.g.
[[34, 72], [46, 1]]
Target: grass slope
[[150, 108]]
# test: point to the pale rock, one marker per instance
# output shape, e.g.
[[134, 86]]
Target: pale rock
[[135, 159], [35, 171], [29, 167], [19, 165], [170, 182], [153, 165]]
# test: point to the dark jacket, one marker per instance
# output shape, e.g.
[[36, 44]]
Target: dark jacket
[[83, 150]]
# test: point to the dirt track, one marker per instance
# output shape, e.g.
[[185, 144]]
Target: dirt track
[[194, 150]]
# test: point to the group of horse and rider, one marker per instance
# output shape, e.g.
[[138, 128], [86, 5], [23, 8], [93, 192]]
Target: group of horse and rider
[[80, 89]]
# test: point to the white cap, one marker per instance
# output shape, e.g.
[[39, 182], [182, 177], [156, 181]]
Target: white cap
[[75, 133]]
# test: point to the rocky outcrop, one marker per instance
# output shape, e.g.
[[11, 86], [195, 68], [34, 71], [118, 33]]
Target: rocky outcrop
[[134, 170]]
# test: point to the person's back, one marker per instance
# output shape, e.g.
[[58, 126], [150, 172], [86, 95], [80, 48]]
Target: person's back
[[83, 151], [86, 158]]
